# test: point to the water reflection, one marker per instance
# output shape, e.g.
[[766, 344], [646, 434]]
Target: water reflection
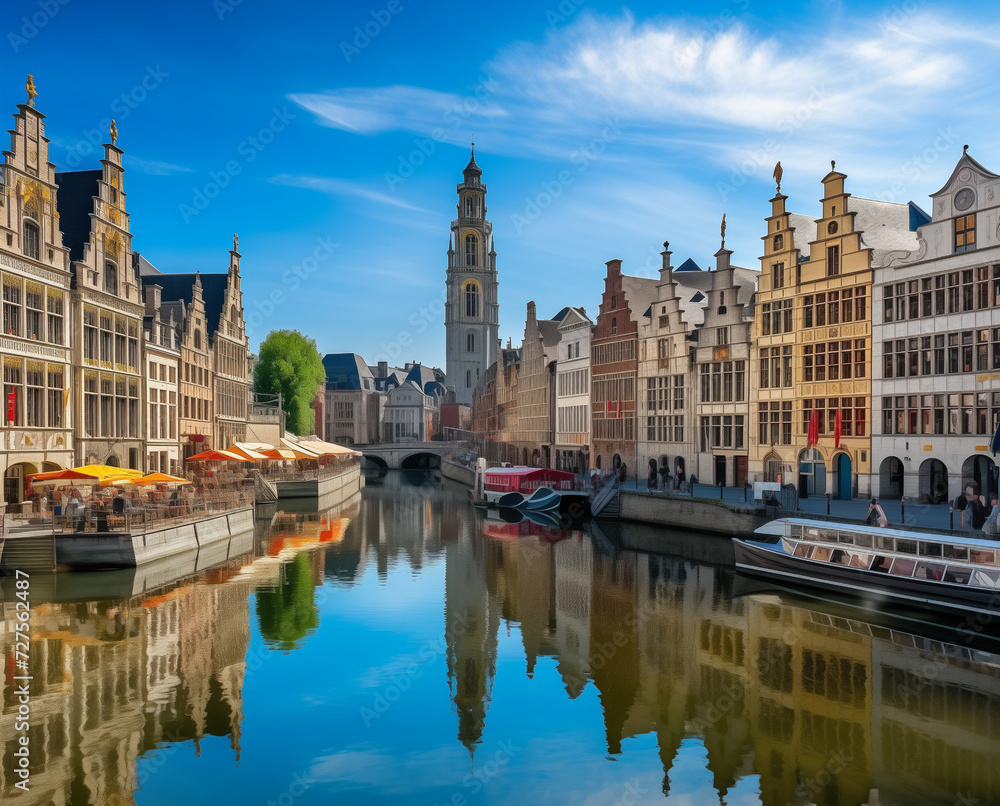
[[472, 632]]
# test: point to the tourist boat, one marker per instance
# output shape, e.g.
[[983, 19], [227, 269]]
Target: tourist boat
[[500, 481], [920, 569], [541, 500]]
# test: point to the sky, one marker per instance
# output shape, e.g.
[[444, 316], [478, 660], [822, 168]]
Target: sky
[[331, 136]]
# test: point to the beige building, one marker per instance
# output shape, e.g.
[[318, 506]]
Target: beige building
[[815, 298], [108, 310], [35, 342], [161, 352], [572, 390]]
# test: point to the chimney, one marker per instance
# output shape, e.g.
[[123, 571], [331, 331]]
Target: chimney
[[153, 297], [383, 369]]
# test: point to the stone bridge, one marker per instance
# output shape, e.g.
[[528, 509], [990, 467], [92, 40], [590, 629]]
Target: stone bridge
[[409, 455]]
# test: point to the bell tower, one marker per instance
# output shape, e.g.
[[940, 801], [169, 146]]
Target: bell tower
[[472, 312]]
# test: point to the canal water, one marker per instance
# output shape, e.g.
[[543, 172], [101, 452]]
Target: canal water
[[400, 649]]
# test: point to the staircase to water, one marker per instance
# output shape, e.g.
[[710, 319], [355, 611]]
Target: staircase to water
[[35, 552]]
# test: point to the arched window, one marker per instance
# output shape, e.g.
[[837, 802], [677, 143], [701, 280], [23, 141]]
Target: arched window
[[232, 314], [110, 277], [471, 248], [470, 343], [197, 340], [472, 307], [31, 242], [470, 206]]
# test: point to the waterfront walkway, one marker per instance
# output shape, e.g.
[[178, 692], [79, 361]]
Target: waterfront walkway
[[931, 516]]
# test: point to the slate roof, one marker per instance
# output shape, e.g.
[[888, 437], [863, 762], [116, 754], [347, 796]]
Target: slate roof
[[640, 293], [347, 371], [75, 203], [181, 287], [885, 227], [805, 231]]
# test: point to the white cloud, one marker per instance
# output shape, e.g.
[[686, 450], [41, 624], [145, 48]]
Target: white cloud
[[154, 167], [341, 187]]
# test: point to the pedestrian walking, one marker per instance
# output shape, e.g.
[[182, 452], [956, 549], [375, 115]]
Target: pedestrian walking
[[875, 514]]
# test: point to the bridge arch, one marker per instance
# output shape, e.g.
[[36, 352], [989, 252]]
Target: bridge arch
[[422, 460]]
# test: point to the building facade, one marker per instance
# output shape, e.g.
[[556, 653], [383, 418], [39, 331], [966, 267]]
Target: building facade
[[161, 352], [814, 418], [936, 347], [107, 315], [472, 311], [230, 352], [351, 403], [572, 392], [35, 352]]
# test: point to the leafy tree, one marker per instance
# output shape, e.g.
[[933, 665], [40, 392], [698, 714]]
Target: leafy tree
[[290, 364], [288, 613]]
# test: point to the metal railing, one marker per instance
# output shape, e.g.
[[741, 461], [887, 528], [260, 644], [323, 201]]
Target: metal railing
[[151, 516]]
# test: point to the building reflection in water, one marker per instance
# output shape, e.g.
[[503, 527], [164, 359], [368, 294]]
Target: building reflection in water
[[815, 707]]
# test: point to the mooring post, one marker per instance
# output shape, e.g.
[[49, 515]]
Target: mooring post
[[720, 490], [951, 517], [902, 510], [828, 503]]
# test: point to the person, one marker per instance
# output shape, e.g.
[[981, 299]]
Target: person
[[622, 473], [118, 504], [990, 524], [876, 515], [651, 478], [679, 486], [977, 512], [964, 503], [960, 503]]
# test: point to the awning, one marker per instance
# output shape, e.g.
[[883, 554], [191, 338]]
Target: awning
[[240, 449], [216, 456]]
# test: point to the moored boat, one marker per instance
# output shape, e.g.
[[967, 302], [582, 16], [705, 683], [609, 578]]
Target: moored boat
[[500, 481], [920, 569]]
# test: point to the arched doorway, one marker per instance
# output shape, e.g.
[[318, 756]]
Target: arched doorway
[[980, 471], [598, 461], [524, 456], [13, 481], [812, 473], [112, 461], [616, 462], [844, 485], [890, 479], [934, 480], [772, 467]]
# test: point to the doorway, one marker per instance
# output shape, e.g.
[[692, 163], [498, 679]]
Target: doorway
[[720, 471], [845, 487]]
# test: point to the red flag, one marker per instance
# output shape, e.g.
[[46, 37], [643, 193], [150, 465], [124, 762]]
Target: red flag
[[813, 429], [609, 407], [619, 408], [11, 407], [836, 431]]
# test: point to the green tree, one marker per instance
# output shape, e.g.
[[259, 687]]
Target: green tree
[[288, 613], [290, 364]]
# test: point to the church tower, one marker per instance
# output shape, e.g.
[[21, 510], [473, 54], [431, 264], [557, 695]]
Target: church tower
[[472, 311]]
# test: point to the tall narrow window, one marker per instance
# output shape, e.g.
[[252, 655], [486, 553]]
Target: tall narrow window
[[472, 302], [965, 233], [197, 340], [32, 240], [832, 261], [779, 243], [468, 378], [110, 277], [470, 249], [778, 275], [470, 343]]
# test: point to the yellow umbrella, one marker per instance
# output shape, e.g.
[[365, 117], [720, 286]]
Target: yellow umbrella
[[117, 481], [102, 472], [159, 478]]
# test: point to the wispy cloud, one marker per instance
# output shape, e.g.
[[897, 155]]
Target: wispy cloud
[[154, 167], [341, 187]]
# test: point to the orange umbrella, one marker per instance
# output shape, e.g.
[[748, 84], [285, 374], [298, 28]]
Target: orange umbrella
[[286, 453], [159, 478], [245, 452], [216, 456]]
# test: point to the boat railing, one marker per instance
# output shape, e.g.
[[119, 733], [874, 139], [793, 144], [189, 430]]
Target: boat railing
[[149, 516]]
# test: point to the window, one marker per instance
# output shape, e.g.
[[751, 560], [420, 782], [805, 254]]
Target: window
[[468, 378], [34, 315], [55, 394], [31, 240], [12, 309], [778, 243], [614, 325], [470, 343], [197, 339], [722, 336], [471, 249], [832, 260], [55, 314], [472, 305], [469, 209], [778, 274], [965, 233], [614, 301], [110, 277]]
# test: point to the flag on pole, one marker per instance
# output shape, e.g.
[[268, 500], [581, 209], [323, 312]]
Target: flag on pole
[[609, 407], [619, 407], [11, 407], [813, 429], [836, 431]]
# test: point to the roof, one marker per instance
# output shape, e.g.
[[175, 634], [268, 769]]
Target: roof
[[426, 379], [181, 287], [347, 371], [548, 329], [884, 226], [640, 293], [146, 269], [965, 161], [75, 203], [472, 167], [804, 232], [688, 265], [526, 471]]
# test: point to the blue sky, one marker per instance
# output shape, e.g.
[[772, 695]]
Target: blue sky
[[331, 136]]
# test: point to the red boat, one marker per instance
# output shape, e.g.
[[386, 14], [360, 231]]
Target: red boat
[[499, 481]]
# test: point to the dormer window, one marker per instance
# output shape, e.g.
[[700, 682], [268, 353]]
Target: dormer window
[[965, 233], [110, 277], [31, 239]]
